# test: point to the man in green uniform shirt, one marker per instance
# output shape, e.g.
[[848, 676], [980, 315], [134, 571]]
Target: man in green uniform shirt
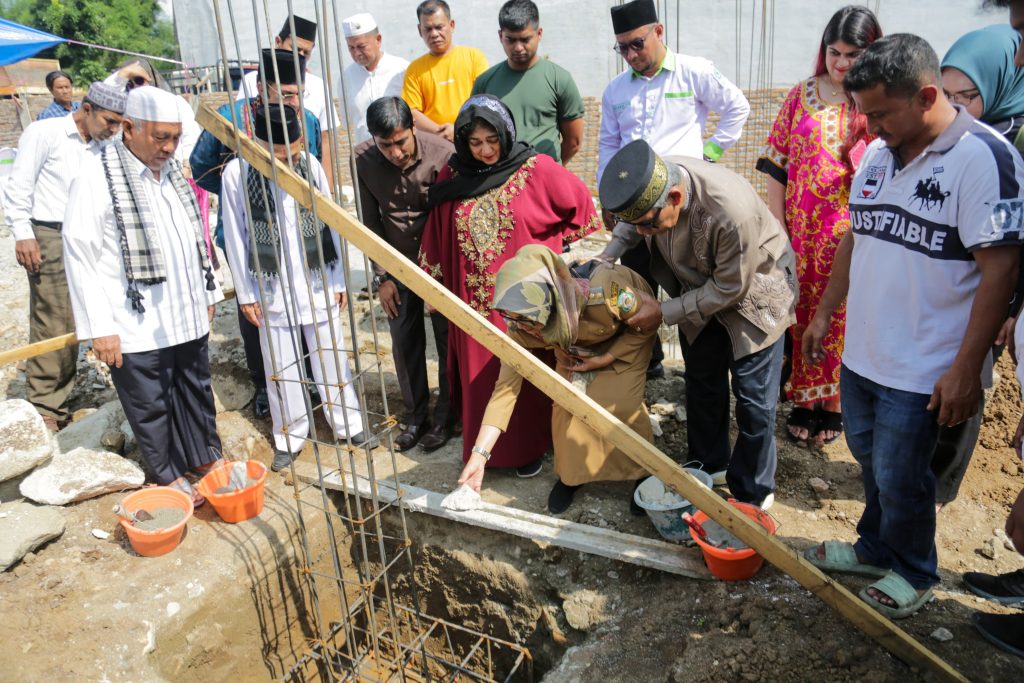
[[543, 97]]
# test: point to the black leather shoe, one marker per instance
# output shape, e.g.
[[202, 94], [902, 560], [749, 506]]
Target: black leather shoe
[[435, 438], [261, 403], [410, 436], [561, 497], [635, 509], [1005, 631], [1007, 589]]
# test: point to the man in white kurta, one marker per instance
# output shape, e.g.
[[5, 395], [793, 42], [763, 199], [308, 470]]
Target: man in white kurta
[[148, 316], [303, 290], [372, 74], [50, 154]]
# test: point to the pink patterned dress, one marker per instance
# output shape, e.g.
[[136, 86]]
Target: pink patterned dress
[[803, 153]]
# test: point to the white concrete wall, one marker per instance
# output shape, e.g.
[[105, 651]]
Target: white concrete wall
[[578, 34]]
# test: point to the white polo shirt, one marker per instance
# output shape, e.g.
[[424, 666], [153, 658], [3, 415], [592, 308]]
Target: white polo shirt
[[913, 276], [669, 110]]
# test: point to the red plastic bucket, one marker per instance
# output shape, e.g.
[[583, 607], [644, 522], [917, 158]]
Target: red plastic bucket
[[730, 564], [236, 506]]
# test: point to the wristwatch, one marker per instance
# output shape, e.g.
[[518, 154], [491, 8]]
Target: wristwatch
[[481, 451], [378, 280]]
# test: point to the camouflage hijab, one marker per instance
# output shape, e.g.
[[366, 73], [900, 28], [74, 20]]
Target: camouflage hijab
[[537, 285]]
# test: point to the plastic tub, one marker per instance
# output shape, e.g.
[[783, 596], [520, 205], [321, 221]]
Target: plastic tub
[[236, 506], [162, 541], [667, 516], [730, 564]]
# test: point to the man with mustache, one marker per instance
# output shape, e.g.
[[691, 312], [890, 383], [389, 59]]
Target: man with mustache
[[395, 169]]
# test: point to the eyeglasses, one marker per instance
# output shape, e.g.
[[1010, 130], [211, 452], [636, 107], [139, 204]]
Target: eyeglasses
[[635, 45], [647, 225], [135, 82], [962, 97]]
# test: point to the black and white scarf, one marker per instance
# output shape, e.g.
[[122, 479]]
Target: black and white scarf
[[263, 260], [140, 245]]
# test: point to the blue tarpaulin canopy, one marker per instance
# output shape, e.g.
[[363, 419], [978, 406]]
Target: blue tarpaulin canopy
[[19, 42]]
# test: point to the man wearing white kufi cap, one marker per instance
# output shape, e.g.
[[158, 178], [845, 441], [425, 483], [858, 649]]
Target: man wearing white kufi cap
[[372, 74], [142, 288]]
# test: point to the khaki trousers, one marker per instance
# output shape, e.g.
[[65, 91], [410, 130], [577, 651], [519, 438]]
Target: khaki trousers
[[51, 376]]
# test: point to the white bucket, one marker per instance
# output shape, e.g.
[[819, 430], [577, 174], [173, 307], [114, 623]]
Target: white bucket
[[665, 507]]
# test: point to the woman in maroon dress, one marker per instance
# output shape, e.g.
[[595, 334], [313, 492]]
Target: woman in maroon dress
[[495, 196]]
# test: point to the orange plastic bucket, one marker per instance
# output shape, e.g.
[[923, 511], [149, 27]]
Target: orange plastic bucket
[[161, 541], [236, 506], [730, 564]]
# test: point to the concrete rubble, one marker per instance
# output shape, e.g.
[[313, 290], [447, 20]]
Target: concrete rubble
[[79, 475], [25, 527], [25, 442]]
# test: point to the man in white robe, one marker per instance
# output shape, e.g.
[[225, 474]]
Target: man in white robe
[[142, 288]]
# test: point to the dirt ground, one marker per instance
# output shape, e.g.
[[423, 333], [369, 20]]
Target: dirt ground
[[228, 603]]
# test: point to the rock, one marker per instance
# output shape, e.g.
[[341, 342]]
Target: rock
[[82, 413], [232, 387], [656, 429], [79, 475], [584, 609], [25, 442], [129, 436], [25, 528], [942, 635], [680, 413], [113, 440], [989, 548], [818, 484], [89, 431], [663, 409], [1001, 536], [101, 534]]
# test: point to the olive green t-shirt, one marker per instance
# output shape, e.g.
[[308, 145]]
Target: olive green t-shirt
[[540, 98]]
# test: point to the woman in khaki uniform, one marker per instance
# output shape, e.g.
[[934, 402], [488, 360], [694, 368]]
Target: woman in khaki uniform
[[581, 319]]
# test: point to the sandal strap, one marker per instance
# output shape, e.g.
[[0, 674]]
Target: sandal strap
[[802, 417], [829, 421], [840, 552], [898, 589]]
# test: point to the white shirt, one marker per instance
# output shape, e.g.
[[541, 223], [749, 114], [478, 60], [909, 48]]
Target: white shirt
[[362, 87], [175, 309], [50, 154], [913, 277], [314, 97], [283, 305], [669, 110]]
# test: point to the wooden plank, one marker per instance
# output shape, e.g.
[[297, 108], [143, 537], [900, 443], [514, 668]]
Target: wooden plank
[[615, 545], [884, 631], [54, 344]]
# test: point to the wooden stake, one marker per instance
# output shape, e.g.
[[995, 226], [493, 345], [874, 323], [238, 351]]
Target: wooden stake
[[885, 632]]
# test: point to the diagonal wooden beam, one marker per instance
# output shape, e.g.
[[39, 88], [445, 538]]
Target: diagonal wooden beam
[[873, 624]]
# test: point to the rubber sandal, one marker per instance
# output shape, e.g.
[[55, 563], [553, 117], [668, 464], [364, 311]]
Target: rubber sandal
[[181, 484], [801, 417], [828, 422], [840, 556], [905, 596]]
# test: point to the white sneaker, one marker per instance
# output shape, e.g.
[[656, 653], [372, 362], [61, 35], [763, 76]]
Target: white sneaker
[[718, 478], [768, 501]]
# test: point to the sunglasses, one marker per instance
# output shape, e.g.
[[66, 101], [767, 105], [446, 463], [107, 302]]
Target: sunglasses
[[136, 82], [635, 45]]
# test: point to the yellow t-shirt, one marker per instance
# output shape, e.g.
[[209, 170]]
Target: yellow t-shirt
[[438, 86]]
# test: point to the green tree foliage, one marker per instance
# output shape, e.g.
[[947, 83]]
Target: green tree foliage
[[135, 25]]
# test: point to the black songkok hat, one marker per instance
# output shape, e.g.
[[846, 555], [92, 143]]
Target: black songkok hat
[[282, 125], [304, 28], [288, 70], [632, 15], [633, 181]]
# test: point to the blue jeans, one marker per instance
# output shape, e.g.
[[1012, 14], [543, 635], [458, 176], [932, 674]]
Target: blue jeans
[[892, 435], [750, 466]]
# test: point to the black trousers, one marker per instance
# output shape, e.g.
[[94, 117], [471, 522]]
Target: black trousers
[[409, 347], [167, 397], [953, 451], [750, 468], [253, 352], [638, 259]]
